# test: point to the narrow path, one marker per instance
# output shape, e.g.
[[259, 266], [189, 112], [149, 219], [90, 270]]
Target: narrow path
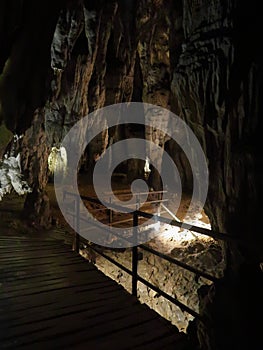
[[52, 298]]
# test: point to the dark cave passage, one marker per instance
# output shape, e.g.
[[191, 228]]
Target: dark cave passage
[[201, 61]]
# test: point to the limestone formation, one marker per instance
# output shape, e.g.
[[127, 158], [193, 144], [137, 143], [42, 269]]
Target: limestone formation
[[201, 59]]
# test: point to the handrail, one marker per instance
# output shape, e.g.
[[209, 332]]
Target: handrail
[[190, 227], [179, 263], [148, 284], [135, 256], [97, 201], [130, 205], [124, 193]]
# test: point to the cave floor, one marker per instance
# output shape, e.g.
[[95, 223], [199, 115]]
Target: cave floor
[[53, 298]]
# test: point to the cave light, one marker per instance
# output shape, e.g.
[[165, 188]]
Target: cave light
[[172, 235]]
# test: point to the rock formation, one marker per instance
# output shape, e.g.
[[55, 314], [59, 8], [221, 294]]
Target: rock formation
[[201, 59]]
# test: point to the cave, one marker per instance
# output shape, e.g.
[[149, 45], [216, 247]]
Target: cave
[[77, 63]]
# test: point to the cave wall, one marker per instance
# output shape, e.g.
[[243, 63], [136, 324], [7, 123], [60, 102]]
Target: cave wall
[[217, 88], [200, 59]]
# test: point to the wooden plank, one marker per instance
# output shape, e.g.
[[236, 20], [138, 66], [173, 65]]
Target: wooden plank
[[13, 279], [53, 298], [33, 257], [55, 293], [16, 313], [87, 324], [46, 287], [30, 284], [68, 260], [16, 251], [168, 341], [89, 301]]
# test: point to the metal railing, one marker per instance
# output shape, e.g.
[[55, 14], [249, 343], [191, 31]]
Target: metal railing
[[137, 256]]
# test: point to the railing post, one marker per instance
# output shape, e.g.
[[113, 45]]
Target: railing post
[[159, 197], [77, 225], [135, 256], [110, 213]]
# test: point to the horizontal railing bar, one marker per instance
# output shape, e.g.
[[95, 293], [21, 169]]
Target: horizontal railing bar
[[179, 263], [157, 201], [155, 252], [150, 285], [96, 210], [190, 227], [170, 298], [130, 205], [139, 278], [121, 221], [145, 203], [111, 260], [108, 229], [117, 192], [109, 225], [201, 230], [134, 194]]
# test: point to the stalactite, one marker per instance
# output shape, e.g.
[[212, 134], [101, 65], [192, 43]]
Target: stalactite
[[200, 59]]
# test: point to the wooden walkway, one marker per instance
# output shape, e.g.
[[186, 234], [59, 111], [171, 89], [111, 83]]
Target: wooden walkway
[[52, 298]]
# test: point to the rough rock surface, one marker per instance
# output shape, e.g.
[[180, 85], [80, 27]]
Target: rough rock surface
[[201, 59], [205, 255], [11, 177]]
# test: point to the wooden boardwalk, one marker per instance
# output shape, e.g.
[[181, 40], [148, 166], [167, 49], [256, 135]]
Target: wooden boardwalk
[[52, 298]]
